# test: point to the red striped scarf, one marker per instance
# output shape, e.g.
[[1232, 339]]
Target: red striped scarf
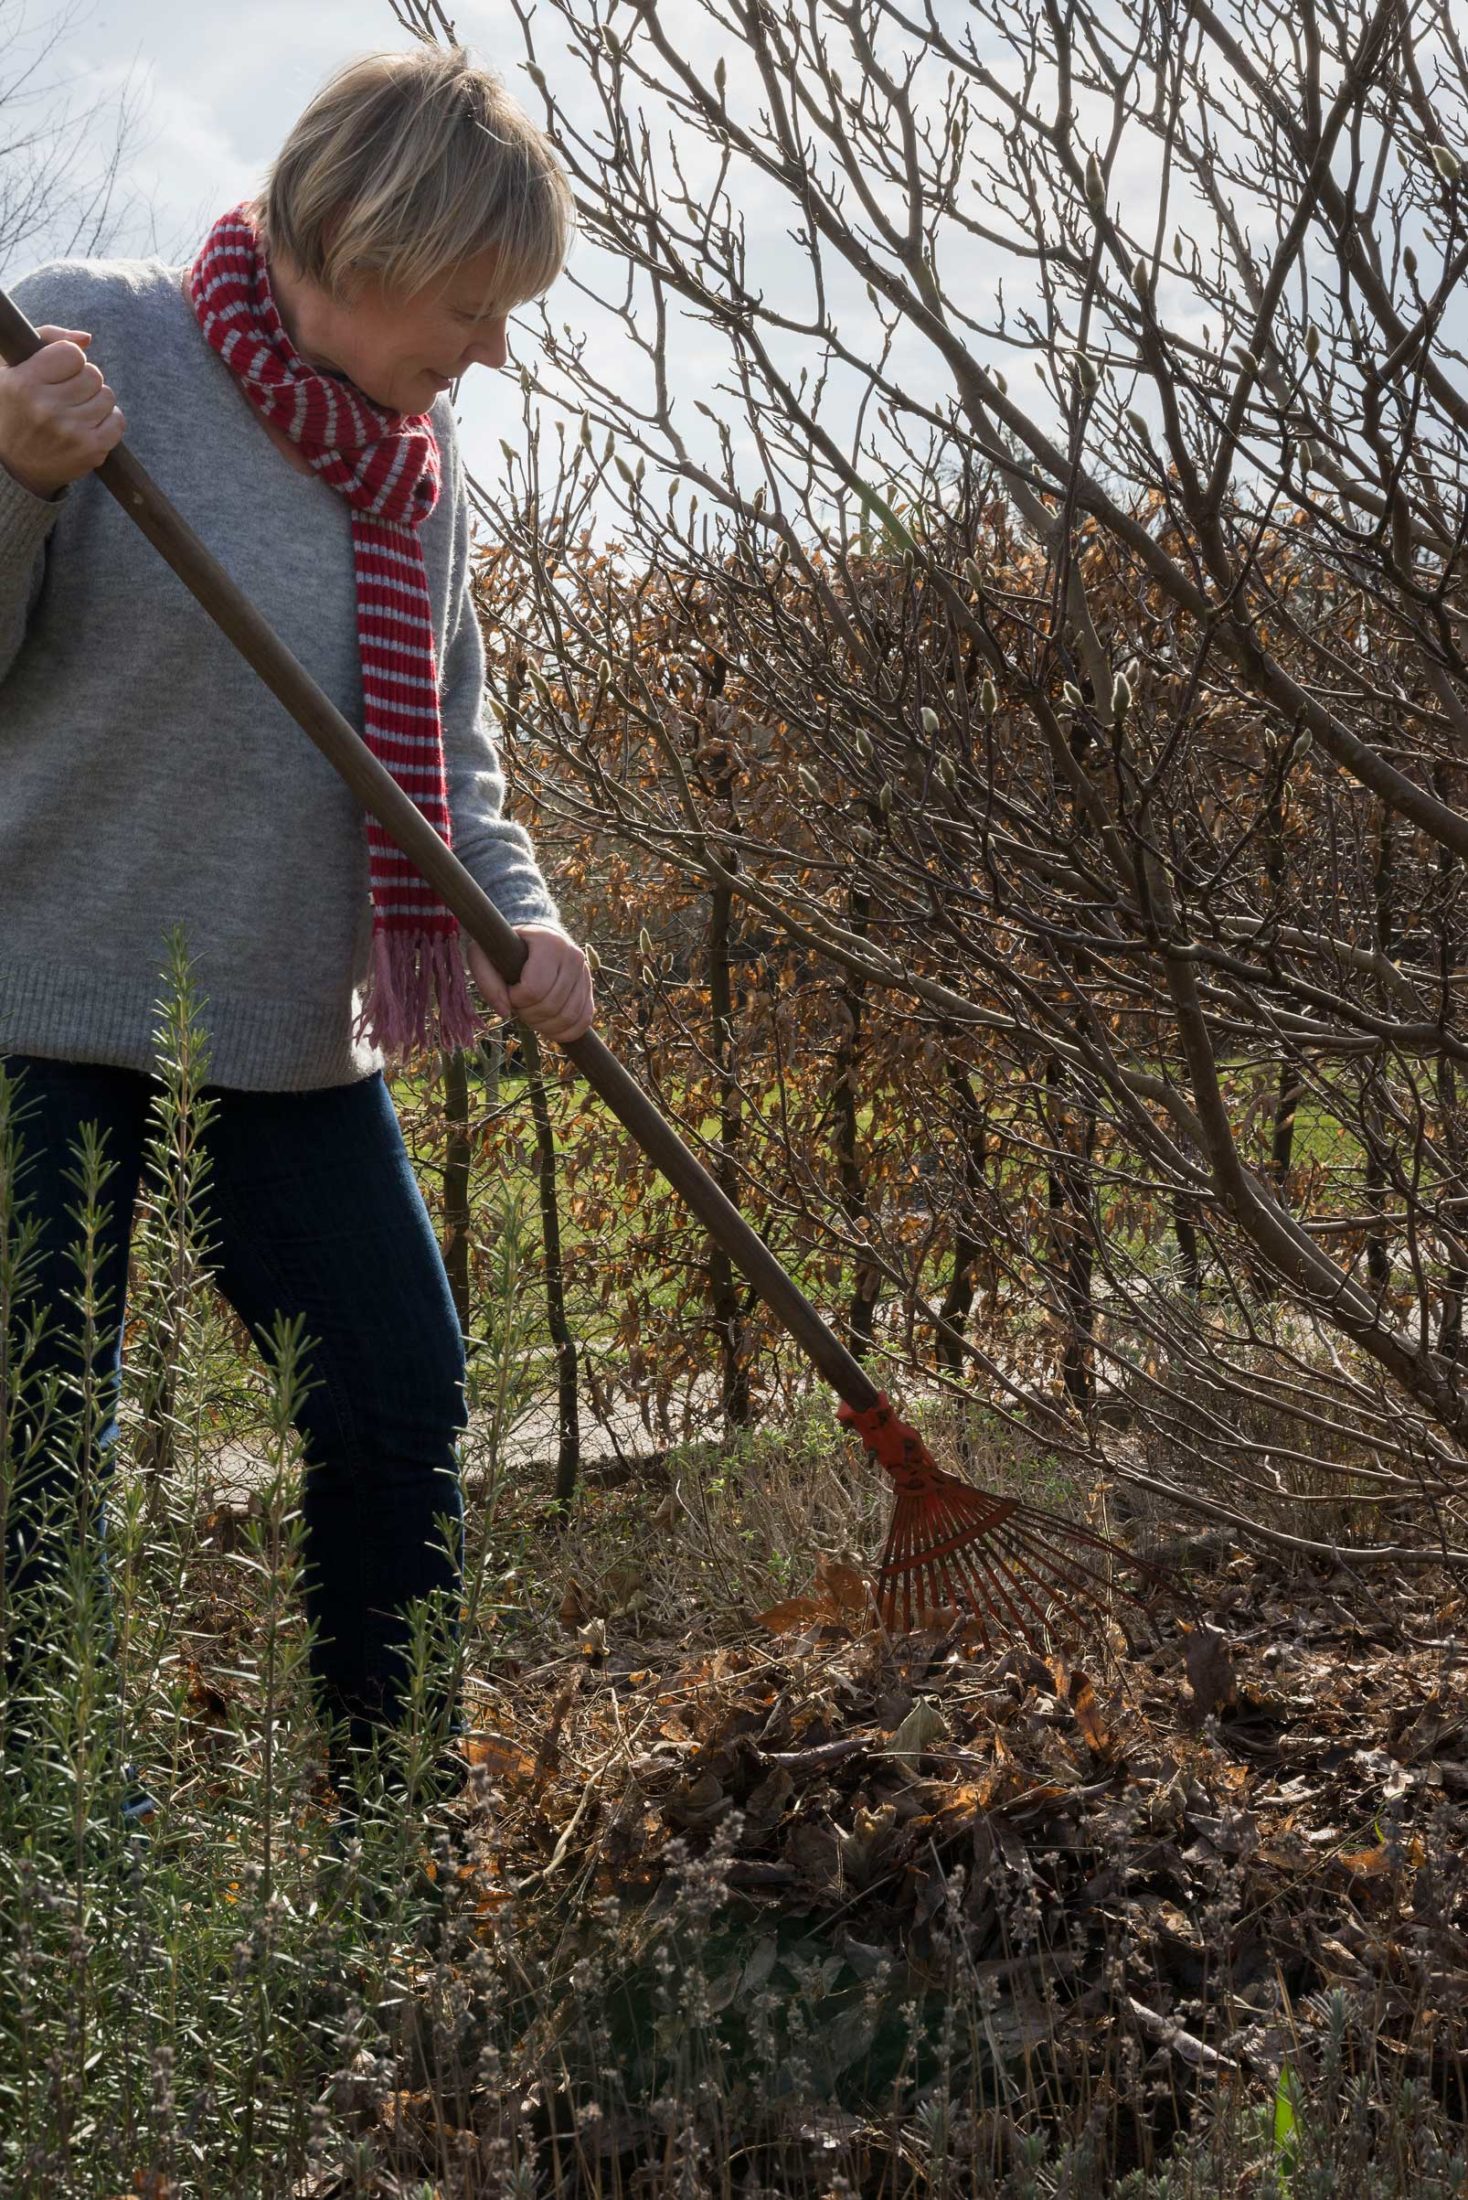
[[386, 465]]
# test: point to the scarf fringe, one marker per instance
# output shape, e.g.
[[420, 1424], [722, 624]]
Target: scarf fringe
[[417, 996]]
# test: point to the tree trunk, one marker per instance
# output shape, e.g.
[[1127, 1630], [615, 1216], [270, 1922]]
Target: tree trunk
[[1185, 1231], [1378, 1266], [845, 1099], [457, 1156], [958, 1299], [1069, 1191], [724, 1288], [568, 1416]]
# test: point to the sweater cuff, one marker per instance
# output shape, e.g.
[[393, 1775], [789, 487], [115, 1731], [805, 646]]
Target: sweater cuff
[[25, 519], [547, 924]]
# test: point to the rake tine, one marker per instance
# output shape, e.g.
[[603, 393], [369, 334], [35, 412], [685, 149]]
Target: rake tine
[[989, 1547], [964, 1579], [1150, 1577], [1065, 1573], [1004, 1581], [1037, 1550], [1119, 1589]]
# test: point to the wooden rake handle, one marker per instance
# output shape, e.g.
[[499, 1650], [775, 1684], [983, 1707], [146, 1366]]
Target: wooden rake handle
[[399, 816]]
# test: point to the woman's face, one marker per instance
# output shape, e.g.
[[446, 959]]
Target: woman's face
[[401, 349]]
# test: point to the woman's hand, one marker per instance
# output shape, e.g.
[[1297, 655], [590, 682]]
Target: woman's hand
[[553, 995], [58, 418]]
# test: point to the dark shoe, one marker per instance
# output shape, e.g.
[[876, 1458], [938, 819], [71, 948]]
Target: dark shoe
[[139, 1806]]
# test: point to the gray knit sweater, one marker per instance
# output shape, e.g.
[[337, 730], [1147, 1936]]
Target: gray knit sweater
[[148, 778]]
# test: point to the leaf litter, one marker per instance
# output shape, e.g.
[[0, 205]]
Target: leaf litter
[[1178, 1847]]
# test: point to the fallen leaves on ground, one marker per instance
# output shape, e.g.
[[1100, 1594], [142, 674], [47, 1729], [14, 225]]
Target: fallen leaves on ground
[[1184, 1845]]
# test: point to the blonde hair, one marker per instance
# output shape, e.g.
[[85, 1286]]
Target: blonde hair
[[406, 164]]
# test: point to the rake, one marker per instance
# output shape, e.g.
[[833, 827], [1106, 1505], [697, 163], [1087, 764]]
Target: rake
[[1012, 1568]]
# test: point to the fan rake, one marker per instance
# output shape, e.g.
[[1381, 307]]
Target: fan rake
[[1010, 1566]]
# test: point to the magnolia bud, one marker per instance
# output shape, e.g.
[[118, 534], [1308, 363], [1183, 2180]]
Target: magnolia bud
[[758, 499], [863, 746], [1121, 696], [1301, 746], [586, 429], [1305, 452], [948, 773], [603, 674], [1140, 425], [808, 780], [930, 719], [909, 565], [1312, 342], [1086, 374], [644, 944], [721, 75], [972, 572], [884, 799], [1409, 262], [536, 75], [611, 41], [1072, 695], [988, 697], [625, 471], [1000, 383], [1447, 163], [1247, 359], [593, 960], [1095, 183], [1141, 276]]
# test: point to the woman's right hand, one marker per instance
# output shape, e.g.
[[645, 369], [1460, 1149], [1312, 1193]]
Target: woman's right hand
[[58, 418]]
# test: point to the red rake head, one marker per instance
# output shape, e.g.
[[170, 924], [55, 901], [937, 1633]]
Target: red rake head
[[1006, 1563]]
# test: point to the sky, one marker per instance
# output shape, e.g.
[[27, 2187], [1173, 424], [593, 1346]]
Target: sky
[[212, 88]]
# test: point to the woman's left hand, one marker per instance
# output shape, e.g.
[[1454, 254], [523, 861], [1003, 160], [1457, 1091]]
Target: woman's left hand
[[553, 994]]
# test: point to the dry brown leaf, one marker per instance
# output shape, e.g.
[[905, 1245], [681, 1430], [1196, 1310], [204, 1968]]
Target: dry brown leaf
[[1075, 1687], [574, 1610], [501, 1758], [865, 1849], [962, 1804], [794, 1614], [1364, 1863], [1210, 1670], [548, 1756], [700, 1802], [765, 1805], [842, 1587], [624, 1590], [924, 1725]]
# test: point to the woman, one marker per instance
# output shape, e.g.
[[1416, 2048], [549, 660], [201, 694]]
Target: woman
[[288, 390]]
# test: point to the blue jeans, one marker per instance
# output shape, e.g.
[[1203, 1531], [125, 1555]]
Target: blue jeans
[[310, 1208]]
